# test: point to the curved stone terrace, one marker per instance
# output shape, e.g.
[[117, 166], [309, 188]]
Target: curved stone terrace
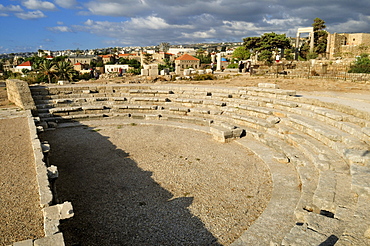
[[312, 147]]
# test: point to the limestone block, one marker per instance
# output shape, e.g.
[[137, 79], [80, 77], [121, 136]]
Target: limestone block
[[360, 179], [187, 72], [28, 242], [152, 117], [273, 120], [359, 156], [39, 129], [322, 224], [281, 158], [65, 210], [53, 172], [55, 240], [145, 72], [325, 192], [221, 134], [268, 85], [302, 236], [153, 72]]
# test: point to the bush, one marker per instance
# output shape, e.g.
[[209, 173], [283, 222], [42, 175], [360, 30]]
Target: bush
[[204, 77], [233, 65], [83, 76], [361, 65], [134, 71], [311, 55]]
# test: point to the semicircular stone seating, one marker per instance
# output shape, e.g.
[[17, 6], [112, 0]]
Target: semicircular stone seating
[[318, 153]]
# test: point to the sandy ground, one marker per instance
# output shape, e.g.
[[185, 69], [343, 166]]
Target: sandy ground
[[20, 214], [154, 185]]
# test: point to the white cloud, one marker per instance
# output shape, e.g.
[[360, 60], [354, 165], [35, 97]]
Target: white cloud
[[11, 8], [118, 8], [66, 3], [147, 22], [60, 29], [351, 25], [40, 5], [31, 15]]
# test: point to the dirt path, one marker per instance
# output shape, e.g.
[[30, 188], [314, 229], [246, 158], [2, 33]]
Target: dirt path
[[20, 214]]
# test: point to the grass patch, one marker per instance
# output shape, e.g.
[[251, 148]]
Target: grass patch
[[204, 77]]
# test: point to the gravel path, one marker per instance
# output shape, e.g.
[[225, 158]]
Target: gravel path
[[20, 214], [155, 185]]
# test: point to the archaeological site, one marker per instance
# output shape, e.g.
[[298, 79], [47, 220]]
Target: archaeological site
[[237, 161]]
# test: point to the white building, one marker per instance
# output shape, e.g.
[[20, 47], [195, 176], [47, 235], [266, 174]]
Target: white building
[[24, 65], [115, 68]]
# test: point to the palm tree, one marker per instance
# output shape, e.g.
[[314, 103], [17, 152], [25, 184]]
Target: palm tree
[[65, 70], [47, 67]]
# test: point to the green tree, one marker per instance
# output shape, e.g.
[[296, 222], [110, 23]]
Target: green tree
[[47, 68], [266, 56], [266, 44], [65, 71], [320, 36], [241, 53], [148, 58], [204, 59], [288, 54], [361, 65]]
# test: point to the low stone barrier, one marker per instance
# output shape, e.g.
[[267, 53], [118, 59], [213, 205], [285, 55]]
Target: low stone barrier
[[326, 145], [19, 93]]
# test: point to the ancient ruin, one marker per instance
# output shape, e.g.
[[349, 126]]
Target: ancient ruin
[[316, 150]]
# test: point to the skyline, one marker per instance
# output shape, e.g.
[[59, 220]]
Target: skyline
[[29, 25]]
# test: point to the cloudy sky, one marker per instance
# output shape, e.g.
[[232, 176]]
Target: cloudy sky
[[29, 25]]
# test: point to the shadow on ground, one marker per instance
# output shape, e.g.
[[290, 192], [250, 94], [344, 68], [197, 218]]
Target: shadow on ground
[[115, 202]]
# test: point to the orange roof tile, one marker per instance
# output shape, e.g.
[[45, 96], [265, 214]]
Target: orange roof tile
[[187, 57], [25, 64], [127, 55]]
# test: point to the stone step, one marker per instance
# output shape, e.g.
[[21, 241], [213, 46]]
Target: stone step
[[307, 172], [284, 197], [357, 227], [316, 230]]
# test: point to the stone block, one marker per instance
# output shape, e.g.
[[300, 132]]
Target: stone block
[[28, 242], [360, 179], [53, 172], [358, 156], [268, 85], [55, 240], [153, 72], [145, 72], [325, 192], [273, 120]]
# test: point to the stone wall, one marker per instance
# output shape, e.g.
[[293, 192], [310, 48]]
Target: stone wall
[[20, 94]]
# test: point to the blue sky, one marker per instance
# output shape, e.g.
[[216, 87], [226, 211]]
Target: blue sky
[[29, 25]]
